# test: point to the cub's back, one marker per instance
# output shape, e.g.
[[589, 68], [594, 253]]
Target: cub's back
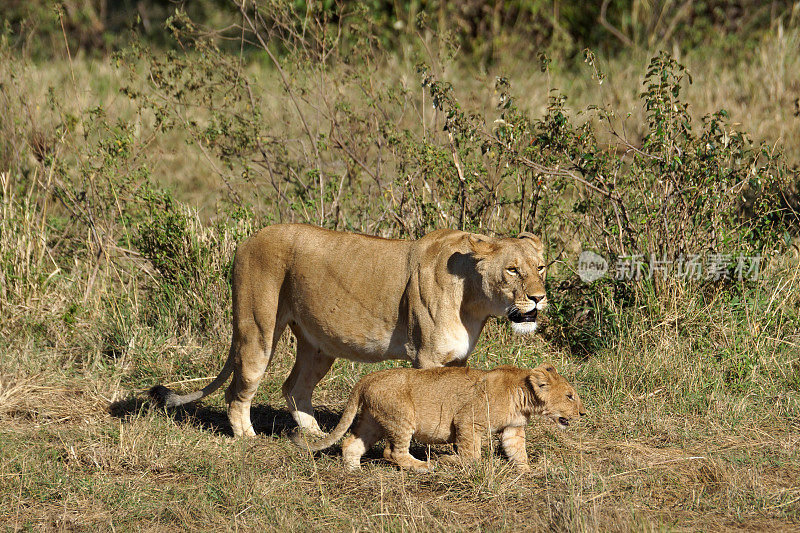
[[424, 391]]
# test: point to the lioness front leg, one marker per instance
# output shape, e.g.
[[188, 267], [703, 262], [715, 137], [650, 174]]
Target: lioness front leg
[[432, 359], [309, 368], [513, 440]]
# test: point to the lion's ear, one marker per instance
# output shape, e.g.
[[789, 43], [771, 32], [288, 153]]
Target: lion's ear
[[481, 245], [534, 240], [548, 368], [539, 378]]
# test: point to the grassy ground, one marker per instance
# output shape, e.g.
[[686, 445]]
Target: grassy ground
[[79, 451], [669, 443], [693, 395]]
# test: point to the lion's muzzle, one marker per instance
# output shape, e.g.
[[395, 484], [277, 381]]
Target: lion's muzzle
[[516, 316]]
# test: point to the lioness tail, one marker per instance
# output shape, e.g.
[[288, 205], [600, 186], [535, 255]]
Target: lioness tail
[[348, 415], [167, 398]]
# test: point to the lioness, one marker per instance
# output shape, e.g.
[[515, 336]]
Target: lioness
[[366, 299], [441, 405]]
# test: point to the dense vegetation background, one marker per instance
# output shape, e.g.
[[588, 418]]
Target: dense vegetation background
[[142, 140]]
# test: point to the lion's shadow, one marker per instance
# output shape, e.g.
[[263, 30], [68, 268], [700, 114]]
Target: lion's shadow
[[267, 421]]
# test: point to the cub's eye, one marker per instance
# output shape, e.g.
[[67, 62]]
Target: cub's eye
[[541, 270], [569, 396], [512, 270]]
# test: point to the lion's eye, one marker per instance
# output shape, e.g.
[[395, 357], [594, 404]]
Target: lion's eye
[[569, 396], [512, 270], [541, 270]]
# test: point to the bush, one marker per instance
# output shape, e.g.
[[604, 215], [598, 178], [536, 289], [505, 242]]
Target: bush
[[192, 263]]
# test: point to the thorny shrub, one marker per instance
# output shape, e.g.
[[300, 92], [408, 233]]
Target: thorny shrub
[[685, 188]]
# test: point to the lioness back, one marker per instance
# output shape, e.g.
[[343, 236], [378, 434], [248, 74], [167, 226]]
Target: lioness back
[[340, 286]]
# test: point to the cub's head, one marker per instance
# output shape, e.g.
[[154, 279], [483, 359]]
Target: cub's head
[[512, 277], [558, 400]]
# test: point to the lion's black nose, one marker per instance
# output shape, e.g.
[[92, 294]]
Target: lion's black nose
[[536, 299]]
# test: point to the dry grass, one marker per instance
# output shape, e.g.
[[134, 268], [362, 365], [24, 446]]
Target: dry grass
[[673, 441], [668, 444]]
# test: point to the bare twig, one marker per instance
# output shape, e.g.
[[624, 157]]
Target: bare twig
[[462, 186], [287, 86], [607, 25]]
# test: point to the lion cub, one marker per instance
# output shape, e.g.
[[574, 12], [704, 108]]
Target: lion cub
[[449, 404]]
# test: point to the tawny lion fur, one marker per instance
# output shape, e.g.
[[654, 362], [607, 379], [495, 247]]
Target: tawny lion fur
[[365, 299], [449, 405]]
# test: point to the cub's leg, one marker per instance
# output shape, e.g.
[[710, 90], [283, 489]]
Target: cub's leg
[[468, 445], [513, 440], [309, 368], [252, 351], [367, 432], [397, 451]]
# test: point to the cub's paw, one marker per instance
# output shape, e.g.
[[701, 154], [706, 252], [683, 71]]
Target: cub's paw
[[352, 466], [457, 461], [522, 468], [424, 468]]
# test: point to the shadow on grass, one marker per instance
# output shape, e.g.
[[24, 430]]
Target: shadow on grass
[[266, 419]]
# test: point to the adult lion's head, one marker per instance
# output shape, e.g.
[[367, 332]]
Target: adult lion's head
[[512, 274]]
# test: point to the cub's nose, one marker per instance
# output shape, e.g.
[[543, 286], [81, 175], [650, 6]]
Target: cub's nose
[[535, 299]]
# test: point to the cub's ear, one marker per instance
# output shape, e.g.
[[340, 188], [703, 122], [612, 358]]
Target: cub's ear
[[539, 378], [534, 240], [481, 245], [547, 367]]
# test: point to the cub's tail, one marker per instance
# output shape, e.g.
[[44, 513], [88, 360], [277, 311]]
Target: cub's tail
[[348, 415], [167, 398]]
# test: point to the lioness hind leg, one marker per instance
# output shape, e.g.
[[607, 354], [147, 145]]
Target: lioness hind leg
[[309, 368], [367, 432], [250, 364], [398, 453]]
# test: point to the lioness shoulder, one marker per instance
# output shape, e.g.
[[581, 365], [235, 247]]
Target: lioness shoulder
[[450, 405]]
